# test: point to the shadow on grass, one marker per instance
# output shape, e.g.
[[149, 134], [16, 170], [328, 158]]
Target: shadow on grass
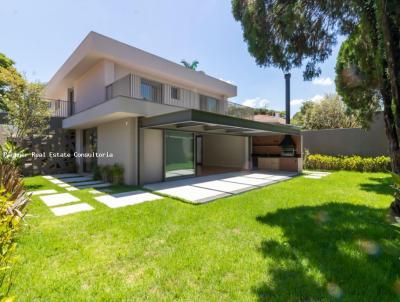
[[329, 252], [379, 185]]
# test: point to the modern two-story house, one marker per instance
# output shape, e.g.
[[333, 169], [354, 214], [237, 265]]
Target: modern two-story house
[[160, 120]]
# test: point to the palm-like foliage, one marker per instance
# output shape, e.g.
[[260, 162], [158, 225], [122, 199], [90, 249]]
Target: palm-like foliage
[[192, 65], [11, 154], [13, 202]]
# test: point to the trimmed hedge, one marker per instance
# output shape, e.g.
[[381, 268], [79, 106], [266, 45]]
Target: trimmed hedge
[[350, 163]]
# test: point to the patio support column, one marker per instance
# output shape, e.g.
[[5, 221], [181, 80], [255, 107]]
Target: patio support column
[[79, 149], [247, 165]]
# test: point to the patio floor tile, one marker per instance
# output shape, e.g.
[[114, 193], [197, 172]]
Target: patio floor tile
[[248, 180], [75, 208], [58, 199], [224, 186], [127, 198]]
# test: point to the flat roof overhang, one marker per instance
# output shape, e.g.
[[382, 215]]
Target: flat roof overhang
[[115, 109], [209, 122]]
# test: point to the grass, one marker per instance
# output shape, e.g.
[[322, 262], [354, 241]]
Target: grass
[[299, 240]]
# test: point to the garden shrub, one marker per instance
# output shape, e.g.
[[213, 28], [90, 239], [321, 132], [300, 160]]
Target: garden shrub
[[350, 163], [13, 202], [117, 174], [112, 173]]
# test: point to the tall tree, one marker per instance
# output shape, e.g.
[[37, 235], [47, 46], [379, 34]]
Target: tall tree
[[27, 113], [289, 34], [329, 113]]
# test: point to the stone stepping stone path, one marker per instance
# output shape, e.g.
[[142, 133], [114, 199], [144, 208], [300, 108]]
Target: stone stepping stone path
[[64, 175], [85, 183], [101, 185], [96, 192], [55, 200], [316, 174], [75, 208], [43, 192], [70, 188], [64, 185], [56, 181], [77, 179], [58, 199], [127, 198]]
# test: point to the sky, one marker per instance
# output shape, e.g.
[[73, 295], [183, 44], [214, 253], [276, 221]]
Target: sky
[[40, 35]]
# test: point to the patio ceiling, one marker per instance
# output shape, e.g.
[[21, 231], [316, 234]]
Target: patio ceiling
[[208, 122]]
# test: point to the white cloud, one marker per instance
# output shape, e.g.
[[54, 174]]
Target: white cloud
[[257, 102], [316, 98], [227, 81], [323, 81]]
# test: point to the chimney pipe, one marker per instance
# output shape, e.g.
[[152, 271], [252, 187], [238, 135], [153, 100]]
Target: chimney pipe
[[287, 86]]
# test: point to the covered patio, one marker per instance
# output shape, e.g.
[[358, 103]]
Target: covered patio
[[207, 188], [197, 143]]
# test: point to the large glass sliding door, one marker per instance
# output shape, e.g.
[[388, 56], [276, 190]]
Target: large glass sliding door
[[89, 146], [179, 154]]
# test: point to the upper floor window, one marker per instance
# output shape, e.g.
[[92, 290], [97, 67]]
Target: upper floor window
[[208, 104], [150, 90], [175, 93]]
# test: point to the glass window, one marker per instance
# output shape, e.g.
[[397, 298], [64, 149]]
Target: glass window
[[150, 91], [179, 154], [175, 93], [208, 104]]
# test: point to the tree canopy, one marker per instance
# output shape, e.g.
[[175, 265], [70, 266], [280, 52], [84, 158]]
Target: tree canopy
[[329, 113], [27, 113], [290, 34]]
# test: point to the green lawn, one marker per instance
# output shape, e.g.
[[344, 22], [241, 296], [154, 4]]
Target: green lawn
[[299, 240]]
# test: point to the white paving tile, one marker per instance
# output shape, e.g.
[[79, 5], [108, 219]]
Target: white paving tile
[[77, 179], [313, 176], [102, 185], [71, 209], [43, 192], [71, 188], [95, 192], [85, 183], [56, 181], [248, 180], [64, 185], [194, 194], [224, 186], [48, 177], [58, 199], [65, 175], [207, 188], [127, 198]]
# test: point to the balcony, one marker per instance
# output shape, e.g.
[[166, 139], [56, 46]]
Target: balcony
[[126, 86], [60, 108], [122, 91]]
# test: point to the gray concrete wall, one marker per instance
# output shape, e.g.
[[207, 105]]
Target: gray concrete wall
[[151, 155], [225, 151], [371, 142], [120, 138]]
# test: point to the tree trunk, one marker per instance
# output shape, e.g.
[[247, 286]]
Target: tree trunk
[[391, 88]]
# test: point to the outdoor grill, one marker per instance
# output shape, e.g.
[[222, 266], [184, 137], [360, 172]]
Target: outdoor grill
[[288, 146]]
